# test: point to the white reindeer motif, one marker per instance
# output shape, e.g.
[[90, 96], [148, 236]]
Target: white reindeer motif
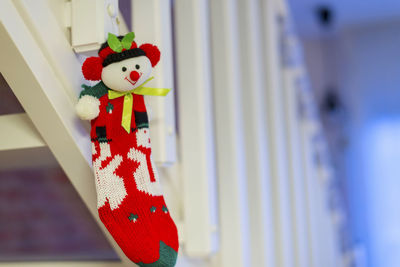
[[141, 174], [109, 185]]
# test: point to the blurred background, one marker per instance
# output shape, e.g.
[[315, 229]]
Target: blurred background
[[280, 146], [351, 52]]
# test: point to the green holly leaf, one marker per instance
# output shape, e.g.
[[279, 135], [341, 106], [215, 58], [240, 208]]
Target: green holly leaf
[[127, 40], [114, 43]]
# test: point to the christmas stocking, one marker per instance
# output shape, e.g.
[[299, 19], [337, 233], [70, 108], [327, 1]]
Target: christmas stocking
[[129, 196]]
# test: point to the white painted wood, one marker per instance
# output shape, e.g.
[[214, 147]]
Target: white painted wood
[[259, 181], [43, 22], [296, 173], [17, 131], [322, 235], [196, 127], [67, 13], [86, 27], [322, 242], [277, 136], [316, 257], [45, 100], [231, 154], [325, 231], [91, 21], [152, 23], [292, 73]]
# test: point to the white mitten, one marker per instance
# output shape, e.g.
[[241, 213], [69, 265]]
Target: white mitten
[[88, 107]]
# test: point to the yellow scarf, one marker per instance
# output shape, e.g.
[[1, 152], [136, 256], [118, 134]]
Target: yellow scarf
[[128, 100]]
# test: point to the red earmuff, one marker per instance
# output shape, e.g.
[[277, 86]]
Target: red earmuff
[[152, 53], [92, 68]]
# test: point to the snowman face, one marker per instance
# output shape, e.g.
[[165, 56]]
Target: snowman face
[[127, 74]]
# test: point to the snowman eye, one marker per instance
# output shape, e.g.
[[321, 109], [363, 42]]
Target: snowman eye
[[137, 66], [123, 69]]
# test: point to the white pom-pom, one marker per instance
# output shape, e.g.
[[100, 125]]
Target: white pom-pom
[[88, 107]]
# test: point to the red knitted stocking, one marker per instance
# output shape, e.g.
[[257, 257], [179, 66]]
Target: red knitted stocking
[[130, 201]]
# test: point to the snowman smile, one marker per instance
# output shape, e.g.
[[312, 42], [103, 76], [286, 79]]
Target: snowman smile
[[132, 82], [134, 77]]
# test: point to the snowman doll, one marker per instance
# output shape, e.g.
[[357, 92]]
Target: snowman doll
[[129, 197]]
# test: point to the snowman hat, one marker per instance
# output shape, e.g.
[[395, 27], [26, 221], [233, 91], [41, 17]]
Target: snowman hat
[[117, 49]]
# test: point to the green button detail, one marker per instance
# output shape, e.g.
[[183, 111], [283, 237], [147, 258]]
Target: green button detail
[[109, 108], [165, 210], [133, 217], [153, 209]]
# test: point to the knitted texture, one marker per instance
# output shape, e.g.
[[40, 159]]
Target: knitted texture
[[92, 68], [111, 58], [152, 53], [129, 196]]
